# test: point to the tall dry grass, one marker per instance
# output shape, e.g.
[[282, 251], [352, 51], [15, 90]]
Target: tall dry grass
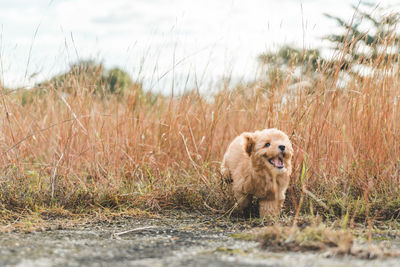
[[81, 151]]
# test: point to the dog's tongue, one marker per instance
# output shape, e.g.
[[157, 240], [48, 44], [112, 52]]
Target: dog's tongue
[[278, 162]]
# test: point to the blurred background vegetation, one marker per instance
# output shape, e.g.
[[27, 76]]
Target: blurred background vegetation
[[370, 35]]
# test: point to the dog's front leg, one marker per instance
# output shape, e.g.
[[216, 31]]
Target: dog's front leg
[[269, 207]]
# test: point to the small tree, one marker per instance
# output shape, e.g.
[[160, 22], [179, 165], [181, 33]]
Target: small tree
[[92, 77], [369, 36], [83, 75], [117, 81], [281, 65], [289, 57]]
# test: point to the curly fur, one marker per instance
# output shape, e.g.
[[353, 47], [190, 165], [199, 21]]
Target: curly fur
[[249, 163]]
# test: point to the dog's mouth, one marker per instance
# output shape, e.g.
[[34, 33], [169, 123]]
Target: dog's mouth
[[277, 162]]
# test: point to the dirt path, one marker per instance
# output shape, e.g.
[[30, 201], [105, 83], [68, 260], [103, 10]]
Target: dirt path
[[189, 241]]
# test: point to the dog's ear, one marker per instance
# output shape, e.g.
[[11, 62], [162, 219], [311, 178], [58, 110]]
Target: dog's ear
[[249, 143]]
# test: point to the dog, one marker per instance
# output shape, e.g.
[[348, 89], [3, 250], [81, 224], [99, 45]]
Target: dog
[[259, 164]]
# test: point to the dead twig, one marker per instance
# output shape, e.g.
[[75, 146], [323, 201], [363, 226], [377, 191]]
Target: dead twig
[[212, 209], [132, 230], [319, 201]]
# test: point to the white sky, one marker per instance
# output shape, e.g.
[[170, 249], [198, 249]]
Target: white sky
[[208, 38]]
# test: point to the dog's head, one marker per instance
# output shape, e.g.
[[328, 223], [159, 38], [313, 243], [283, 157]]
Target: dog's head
[[269, 148]]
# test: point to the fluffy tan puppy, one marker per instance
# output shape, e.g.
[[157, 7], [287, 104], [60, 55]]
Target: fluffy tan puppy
[[259, 164]]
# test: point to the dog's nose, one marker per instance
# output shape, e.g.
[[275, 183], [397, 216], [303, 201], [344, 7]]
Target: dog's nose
[[282, 147]]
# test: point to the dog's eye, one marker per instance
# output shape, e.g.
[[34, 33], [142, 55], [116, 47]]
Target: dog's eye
[[267, 144]]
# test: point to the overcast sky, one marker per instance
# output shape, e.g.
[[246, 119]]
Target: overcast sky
[[154, 39]]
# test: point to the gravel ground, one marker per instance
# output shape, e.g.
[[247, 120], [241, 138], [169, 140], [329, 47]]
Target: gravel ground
[[171, 241]]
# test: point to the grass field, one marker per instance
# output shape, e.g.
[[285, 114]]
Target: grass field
[[69, 148]]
